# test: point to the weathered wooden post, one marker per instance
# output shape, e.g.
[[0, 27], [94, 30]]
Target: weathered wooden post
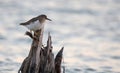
[[40, 58]]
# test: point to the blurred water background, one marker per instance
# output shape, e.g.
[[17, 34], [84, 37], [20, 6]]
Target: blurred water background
[[89, 30]]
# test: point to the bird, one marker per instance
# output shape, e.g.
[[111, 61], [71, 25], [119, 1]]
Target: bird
[[36, 23]]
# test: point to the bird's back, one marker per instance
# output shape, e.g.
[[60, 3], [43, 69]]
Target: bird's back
[[30, 21]]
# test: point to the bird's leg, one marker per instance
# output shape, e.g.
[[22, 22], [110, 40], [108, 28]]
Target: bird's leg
[[35, 32]]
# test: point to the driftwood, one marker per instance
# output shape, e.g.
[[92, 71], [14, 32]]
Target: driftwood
[[40, 58]]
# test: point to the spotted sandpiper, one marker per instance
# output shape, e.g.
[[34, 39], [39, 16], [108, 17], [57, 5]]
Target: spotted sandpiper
[[35, 23]]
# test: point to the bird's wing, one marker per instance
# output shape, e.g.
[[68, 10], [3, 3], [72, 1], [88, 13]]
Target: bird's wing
[[28, 22]]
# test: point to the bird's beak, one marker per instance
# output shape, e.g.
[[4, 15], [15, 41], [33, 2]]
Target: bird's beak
[[48, 19]]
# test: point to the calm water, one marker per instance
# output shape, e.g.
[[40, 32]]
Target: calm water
[[89, 30]]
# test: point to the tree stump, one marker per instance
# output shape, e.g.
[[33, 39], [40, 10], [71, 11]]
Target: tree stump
[[40, 58]]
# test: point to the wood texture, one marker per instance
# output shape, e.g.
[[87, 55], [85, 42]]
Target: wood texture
[[40, 58]]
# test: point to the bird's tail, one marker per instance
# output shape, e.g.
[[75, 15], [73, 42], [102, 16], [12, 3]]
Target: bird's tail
[[22, 23]]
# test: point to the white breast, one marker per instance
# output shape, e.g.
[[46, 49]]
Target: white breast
[[34, 26]]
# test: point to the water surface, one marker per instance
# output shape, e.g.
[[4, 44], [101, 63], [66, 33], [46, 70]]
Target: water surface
[[89, 30]]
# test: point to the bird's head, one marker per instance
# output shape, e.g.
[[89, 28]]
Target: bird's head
[[43, 17]]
